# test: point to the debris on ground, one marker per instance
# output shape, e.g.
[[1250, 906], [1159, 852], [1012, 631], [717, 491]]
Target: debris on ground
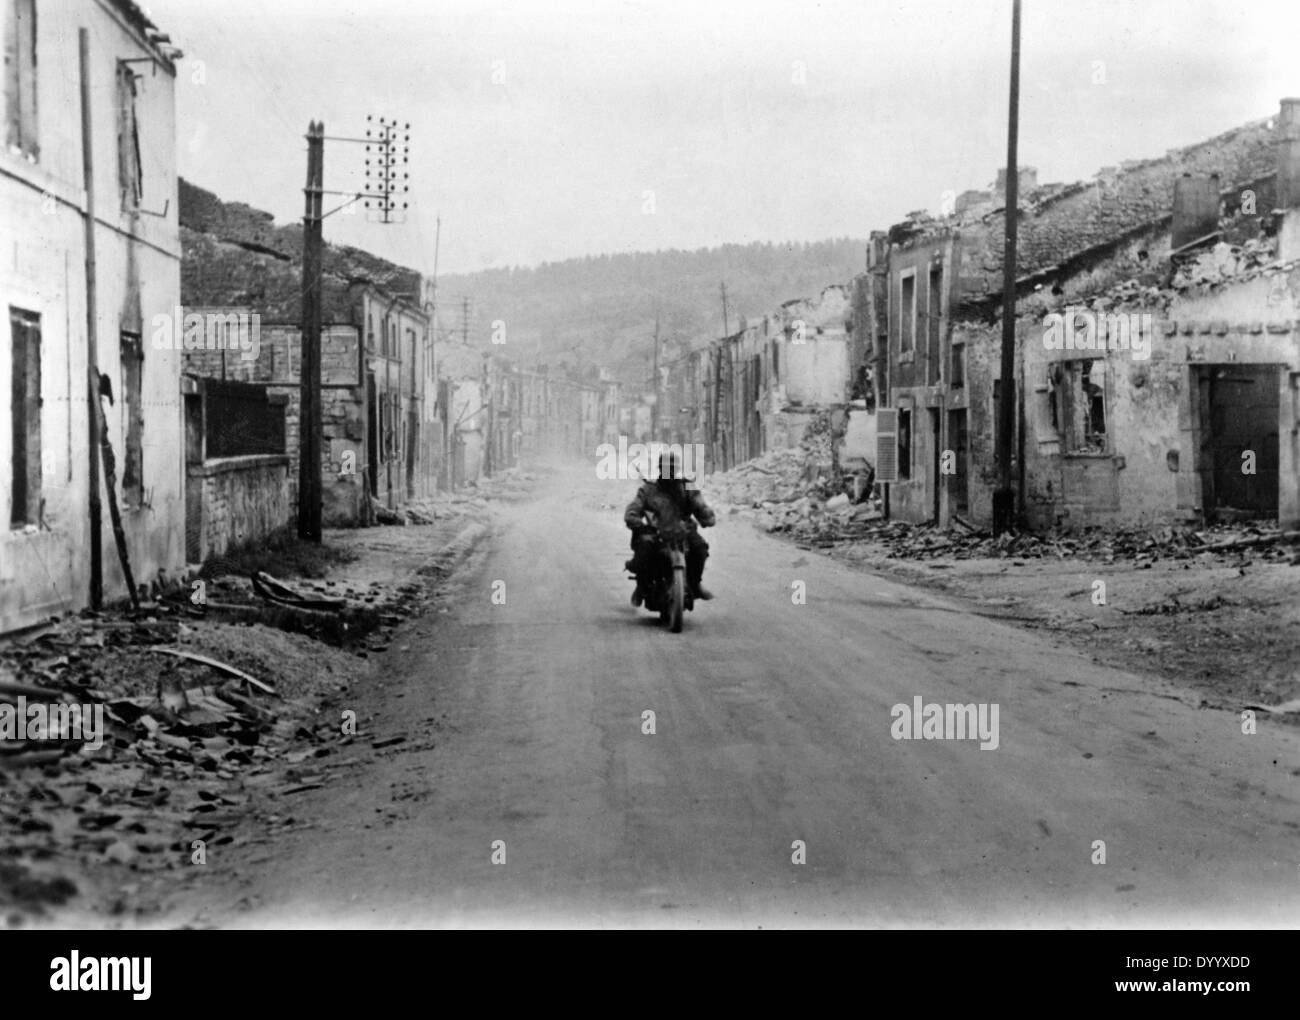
[[815, 520], [509, 485], [211, 699], [1233, 636], [167, 733], [793, 482]]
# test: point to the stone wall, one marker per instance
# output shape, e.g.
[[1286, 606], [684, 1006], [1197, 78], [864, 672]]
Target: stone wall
[[234, 500], [343, 418]]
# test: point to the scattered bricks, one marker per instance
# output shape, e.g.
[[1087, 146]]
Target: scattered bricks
[[1279, 327], [1255, 327], [1220, 327]]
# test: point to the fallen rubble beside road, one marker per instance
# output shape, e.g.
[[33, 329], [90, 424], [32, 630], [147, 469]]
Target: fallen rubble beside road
[[1212, 609], [827, 522], [163, 775], [209, 716]]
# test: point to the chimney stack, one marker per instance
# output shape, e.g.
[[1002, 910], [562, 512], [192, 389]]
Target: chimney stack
[[877, 250], [1287, 135], [1026, 181], [1196, 207]]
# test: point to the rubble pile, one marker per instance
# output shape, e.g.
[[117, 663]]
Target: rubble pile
[[831, 525], [165, 742], [1225, 262], [818, 439], [804, 476], [162, 728], [1130, 294], [779, 476], [509, 485]]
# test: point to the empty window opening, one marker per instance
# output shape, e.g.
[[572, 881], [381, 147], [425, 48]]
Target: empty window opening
[[1080, 399], [132, 355], [130, 172], [25, 421], [907, 314], [20, 77], [904, 444]]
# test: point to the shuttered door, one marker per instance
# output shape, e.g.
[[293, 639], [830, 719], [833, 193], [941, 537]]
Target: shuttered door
[[887, 444]]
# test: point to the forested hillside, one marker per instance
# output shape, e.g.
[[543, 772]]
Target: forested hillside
[[601, 309]]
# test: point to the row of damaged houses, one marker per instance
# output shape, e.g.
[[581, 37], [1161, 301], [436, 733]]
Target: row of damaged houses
[[1157, 355], [152, 369], [1157, 343], [761, 387]]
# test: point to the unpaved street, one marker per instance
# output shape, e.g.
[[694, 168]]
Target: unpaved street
[[525, 723]]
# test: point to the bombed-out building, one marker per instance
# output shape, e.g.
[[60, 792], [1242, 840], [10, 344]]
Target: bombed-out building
[[1154, 344], [91, 426]]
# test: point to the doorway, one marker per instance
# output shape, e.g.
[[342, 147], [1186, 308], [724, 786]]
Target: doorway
[[936, 463], [958, 442], [372, 436], [1240, 439]]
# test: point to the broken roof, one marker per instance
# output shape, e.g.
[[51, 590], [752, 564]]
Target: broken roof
[[1059, 223], [153, 37]]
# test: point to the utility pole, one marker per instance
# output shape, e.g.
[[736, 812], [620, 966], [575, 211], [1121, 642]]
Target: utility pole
[[309, 422], [92, 332], [726, 329], [431, 307], [1004, 500], [433, 288], [464, 321], [654, 404], [388, 182]]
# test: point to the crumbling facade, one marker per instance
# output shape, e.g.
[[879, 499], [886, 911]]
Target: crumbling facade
[[1125, 430], [57, 360], [382, 438], [760, 388]]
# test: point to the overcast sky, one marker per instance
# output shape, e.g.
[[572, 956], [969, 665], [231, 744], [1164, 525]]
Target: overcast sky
[[538, 128]]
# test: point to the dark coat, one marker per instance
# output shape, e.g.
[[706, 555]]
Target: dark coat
[[665, 508]]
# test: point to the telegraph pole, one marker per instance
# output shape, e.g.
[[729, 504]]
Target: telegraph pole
[[654, 405], [464, 321], [309, 421], [388, 182], [1004, 500], [92, 332], [726, 330]]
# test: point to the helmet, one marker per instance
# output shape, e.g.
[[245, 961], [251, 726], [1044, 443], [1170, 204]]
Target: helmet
[[670, 466]]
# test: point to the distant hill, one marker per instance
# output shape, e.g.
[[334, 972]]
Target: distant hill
[[598, 310], [601, 309]]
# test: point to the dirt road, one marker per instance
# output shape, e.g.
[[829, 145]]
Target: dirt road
[[771, 791]]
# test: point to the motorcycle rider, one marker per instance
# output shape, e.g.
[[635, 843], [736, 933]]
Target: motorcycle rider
[[668, 500]]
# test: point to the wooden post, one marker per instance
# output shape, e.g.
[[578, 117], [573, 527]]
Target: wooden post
[[92, 334], [309, 420], [1004, 497]]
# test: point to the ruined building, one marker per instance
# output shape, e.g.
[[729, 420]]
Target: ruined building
[[1156, 343], [91, 272]]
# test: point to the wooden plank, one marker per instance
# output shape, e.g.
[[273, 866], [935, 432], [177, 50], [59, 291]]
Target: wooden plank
[[215, 664]]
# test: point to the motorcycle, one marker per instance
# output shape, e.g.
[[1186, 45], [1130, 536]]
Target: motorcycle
[[665, 589]]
